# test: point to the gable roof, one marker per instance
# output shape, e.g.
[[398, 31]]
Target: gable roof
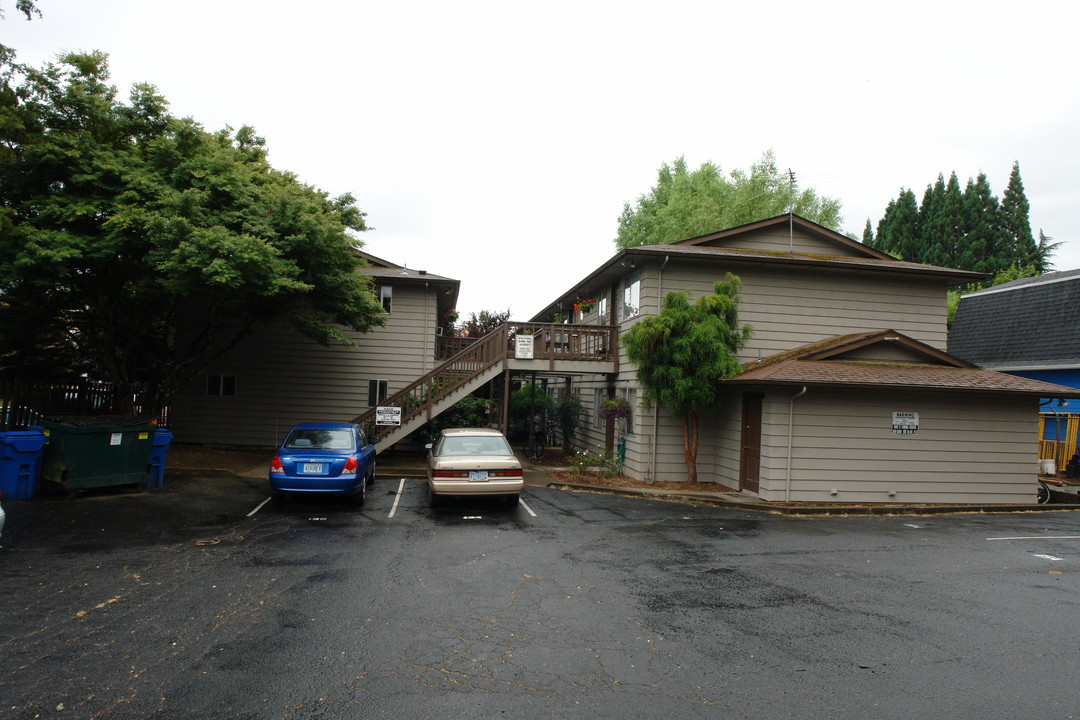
[[842, 362], [1027, 324], [699, 249], [791, 220]]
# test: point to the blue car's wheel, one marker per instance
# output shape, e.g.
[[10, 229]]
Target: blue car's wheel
[[360, 496]]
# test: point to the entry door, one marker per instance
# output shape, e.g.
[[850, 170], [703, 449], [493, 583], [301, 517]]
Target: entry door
[[750, 457]]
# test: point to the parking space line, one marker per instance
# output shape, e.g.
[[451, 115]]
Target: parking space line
[[258, 507], [397, 498], [521, 501], [1038, 537]]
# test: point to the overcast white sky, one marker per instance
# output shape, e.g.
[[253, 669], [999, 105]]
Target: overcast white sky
[[496, 142]]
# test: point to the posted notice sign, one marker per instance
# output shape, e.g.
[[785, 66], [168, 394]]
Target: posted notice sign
[[905, 423], [523, 347], [387, 415]]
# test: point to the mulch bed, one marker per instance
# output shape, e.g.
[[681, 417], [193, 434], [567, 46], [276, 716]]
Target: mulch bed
[[556, 460]]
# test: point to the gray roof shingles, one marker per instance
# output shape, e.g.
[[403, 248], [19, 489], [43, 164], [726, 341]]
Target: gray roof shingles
[[1033, 322]]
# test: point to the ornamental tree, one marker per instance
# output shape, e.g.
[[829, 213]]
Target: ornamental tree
[[144, 245], [684, 353], [687, 203]]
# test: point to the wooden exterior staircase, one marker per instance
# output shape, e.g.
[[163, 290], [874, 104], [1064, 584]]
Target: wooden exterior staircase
[[555, 348]]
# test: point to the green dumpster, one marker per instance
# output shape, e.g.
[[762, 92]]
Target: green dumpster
[[90, 452]]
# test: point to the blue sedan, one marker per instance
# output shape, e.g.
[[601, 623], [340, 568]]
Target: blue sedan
[[324, 457]]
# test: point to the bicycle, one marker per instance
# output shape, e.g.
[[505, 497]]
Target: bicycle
[[534, 448]]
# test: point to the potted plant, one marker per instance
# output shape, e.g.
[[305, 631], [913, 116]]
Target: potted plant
[[585, 306], [615, 408]]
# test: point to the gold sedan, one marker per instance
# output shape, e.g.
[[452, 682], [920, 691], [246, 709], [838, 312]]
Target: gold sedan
[[473, 462]]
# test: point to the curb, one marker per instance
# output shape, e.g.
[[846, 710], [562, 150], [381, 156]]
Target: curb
[[795, 509]]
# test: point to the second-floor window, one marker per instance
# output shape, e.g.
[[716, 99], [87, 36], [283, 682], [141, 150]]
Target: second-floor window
[[386, 297], [631, 295]]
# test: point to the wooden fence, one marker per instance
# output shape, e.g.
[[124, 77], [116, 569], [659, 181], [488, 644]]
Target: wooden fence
[[26, 404]]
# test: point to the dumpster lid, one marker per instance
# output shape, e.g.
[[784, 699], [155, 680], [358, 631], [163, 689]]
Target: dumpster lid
[[100, 420]]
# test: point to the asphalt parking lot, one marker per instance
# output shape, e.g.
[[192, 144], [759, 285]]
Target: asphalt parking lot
[[199, 600]]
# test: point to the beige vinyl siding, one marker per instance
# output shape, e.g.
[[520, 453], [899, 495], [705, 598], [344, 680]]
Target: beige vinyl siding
[[283, 377], [777, 238], [969, 448], [789, 308]]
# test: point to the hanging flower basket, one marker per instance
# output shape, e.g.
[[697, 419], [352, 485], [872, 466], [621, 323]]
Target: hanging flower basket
[[615, 408], [450, 316], [558, 318], [585, 306]]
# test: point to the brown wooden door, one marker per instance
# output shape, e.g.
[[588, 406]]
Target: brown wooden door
[[750, 457]]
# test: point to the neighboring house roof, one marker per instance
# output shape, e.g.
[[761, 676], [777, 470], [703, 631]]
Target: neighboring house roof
[[1027, 324], [885, 359], [698, 249]]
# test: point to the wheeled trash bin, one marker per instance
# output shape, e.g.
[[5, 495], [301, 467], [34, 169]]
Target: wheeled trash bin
[[89, 452], [20, 463]]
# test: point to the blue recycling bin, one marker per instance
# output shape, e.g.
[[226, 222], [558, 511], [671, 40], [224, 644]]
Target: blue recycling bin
[[158, 450], [20, 463]]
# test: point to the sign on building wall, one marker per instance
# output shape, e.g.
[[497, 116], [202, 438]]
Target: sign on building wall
[[387, 415], [523, 347], [905, 423]]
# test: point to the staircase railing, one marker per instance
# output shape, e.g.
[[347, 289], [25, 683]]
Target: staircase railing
[[550, 341]]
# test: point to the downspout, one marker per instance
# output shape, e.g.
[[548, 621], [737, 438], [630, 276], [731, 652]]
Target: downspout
[[656, 409], [790, 430]]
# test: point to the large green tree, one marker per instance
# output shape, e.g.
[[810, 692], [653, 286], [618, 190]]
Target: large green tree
[[968, 229], [144, 245], [683, 354], [686, 203], [1015, 221]]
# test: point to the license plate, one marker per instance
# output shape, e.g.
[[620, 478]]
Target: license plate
[[477, 475], [313, 468]]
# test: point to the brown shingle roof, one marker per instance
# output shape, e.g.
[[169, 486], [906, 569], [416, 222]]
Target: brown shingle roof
[[822, 364]]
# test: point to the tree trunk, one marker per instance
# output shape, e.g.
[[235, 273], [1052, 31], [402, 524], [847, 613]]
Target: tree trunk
[[690, 445]]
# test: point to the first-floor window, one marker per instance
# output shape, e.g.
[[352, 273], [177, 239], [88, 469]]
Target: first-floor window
[[220, 385], [376, 392], [628, 420]]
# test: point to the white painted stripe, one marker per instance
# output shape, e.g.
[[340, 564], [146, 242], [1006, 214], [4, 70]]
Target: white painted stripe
[[1048, 557], [528, 509], [397, 499], [258, 507], [1039, 537]]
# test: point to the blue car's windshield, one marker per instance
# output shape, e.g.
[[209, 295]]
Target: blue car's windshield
[[320, 439]]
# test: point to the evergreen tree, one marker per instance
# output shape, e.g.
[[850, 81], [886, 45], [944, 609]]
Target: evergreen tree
[[868, 234], [931, 226], [968, 229], [985, 238], [1041, 258], [897, 231], [1015, 221], [684, 353]]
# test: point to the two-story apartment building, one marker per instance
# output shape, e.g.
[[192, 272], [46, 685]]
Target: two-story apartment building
[[276, 377], [846, 392]]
